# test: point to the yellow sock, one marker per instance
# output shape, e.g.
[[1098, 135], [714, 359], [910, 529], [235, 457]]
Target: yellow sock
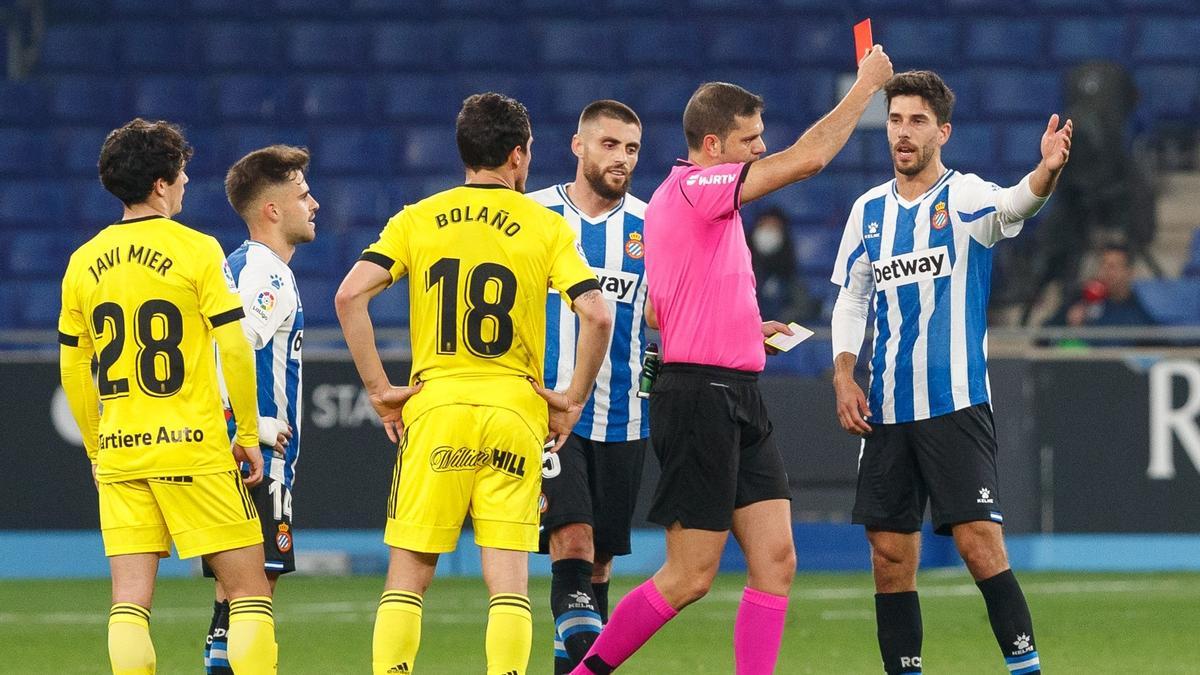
[[509, 634], [251, 638], [130, 650], [397, 633]]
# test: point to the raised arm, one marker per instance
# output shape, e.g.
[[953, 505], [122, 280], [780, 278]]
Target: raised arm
[[822, 142]]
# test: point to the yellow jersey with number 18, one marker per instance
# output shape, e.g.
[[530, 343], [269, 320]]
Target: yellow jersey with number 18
[[480, 259], [147, 293]]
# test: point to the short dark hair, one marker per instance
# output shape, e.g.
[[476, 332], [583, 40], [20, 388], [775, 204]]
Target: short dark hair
[[712, 109], [611, 109], [260, 169], [488, 127], [926, 84], [136, 155]]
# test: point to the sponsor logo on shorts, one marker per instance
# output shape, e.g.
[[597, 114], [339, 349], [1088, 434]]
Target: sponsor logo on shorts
[[911, 267], [985, 496], [446, 458], [283, 538], [507, 462]]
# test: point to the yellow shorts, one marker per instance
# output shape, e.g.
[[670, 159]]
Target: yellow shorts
[[201, 514], [456, 459]]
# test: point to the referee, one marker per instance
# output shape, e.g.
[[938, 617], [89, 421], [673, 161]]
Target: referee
[[721, 470]]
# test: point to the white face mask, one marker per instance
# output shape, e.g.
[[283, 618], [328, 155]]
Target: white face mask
[[767, 239]]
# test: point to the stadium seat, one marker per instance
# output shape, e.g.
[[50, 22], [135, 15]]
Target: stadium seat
[[223, 8], [1169, 91], [316, 296], [1079, 39], [823, 42], [39, 303], [1192, 267], [928, 41], [246, 45], [319, 256], [33, 203], [253, 98], [349, 200], [229, 235], [399, 8], [475, 44], [328, 45], [531, 91], [1173, 302], [419, 98], [355, 239], [391, 309], [178, 99], [812, 200], [816, 245], [137, 8], [91, 206], [356, 150], [24, 152], [577, 43], [1016, 91], [157, 46], [310, 8], [78, 149], [36, 253], [10, 294], [573, 91], [408, 45], [90, 99], [1072, 5], [1167, 39], [659, 93], [1005, 41], [431, 148], [750, 44], [659, 43], [338, 98], [23, 102], [1020, 144], [205, 206], [972, 147], [78, 48]]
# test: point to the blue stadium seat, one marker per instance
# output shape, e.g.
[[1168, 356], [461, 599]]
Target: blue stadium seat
[[138, 8], [573, 91], [78, 48], [205, 207], [239, 140], [1192, 267], [26, 152], [345, 201], [573, 42], [310, 8], [229, 236], [340, 97], [1079, 39], [89, 99], [660, 94], [1174, 302], [1169, 91], [1073, 5], [176, 98], [971, 148], [479, 43], [824, 42], [413, 44], [253, 97], [661, 42], [74, 10], [319, 256], [852, 157], [816, 246], [419, 98], [1167, 39], [391, 308], [810, 358], [316, 296], [36, 253], [1142, 5], [328, 45], [399, 8], [79, 149], [241, 45], [1019, 92], [92, 207], [811, 94], [662, 144], [528, 90], [355, 239], [750, 44], [11, 293], [239, 8], [1020, 145], [431, 148], [812, 200], [33, 204], [356, 150], [552, 152], [1005, 41], [158, 46], [39, 303], [23, 102], [928, 41]]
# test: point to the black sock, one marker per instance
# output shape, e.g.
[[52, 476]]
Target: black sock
[[898, 621], [576, 621], [218, 663], [600, 590], [1011, 623]]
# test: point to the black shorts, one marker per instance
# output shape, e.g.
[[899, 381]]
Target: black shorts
[[949, 461], [274, 504], [592, 482], [709, 428]]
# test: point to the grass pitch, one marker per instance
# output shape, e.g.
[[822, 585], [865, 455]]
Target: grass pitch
[[1086, 623]]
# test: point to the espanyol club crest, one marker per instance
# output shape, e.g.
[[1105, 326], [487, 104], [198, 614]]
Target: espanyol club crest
[[634, 247], [283, 538], [543, 503], [940, 218]]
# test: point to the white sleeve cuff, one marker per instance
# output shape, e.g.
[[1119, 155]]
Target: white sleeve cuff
[[849, 324]]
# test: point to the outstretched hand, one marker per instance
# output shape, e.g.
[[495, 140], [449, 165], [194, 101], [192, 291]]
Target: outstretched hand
[[389, 405], [564, 414], [1056, 144]]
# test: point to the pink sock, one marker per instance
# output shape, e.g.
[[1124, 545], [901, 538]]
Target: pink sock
[[758, 632], [638, 616]]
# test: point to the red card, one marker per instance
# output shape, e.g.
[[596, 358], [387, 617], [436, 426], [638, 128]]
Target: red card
[[862, 39]]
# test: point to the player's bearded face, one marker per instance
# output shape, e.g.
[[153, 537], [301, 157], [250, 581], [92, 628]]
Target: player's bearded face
[[914, 135], [608, 152], [609, 180], [911, 159]]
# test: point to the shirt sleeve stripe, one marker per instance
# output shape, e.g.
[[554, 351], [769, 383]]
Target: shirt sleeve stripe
[[68, 340], [379, 259], [227, 317], [737, 192], [583, 287]]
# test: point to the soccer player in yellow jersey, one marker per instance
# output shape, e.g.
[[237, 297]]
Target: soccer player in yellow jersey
[[148, 296], [470, 427]]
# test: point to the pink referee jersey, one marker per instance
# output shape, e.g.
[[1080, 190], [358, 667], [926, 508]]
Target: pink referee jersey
[[698, 269]]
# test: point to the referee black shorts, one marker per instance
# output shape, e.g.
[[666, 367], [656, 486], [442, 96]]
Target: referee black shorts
[[710, 430]]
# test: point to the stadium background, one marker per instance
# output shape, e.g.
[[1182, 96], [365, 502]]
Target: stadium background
[[1100, 445]]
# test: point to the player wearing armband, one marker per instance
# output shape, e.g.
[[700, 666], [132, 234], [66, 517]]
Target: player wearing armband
[[148, 296], [920, 248], [470, 426]]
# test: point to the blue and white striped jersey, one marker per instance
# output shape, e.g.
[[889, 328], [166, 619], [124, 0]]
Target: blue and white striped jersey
[[274, 325], [613, 246], [928, 264]]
